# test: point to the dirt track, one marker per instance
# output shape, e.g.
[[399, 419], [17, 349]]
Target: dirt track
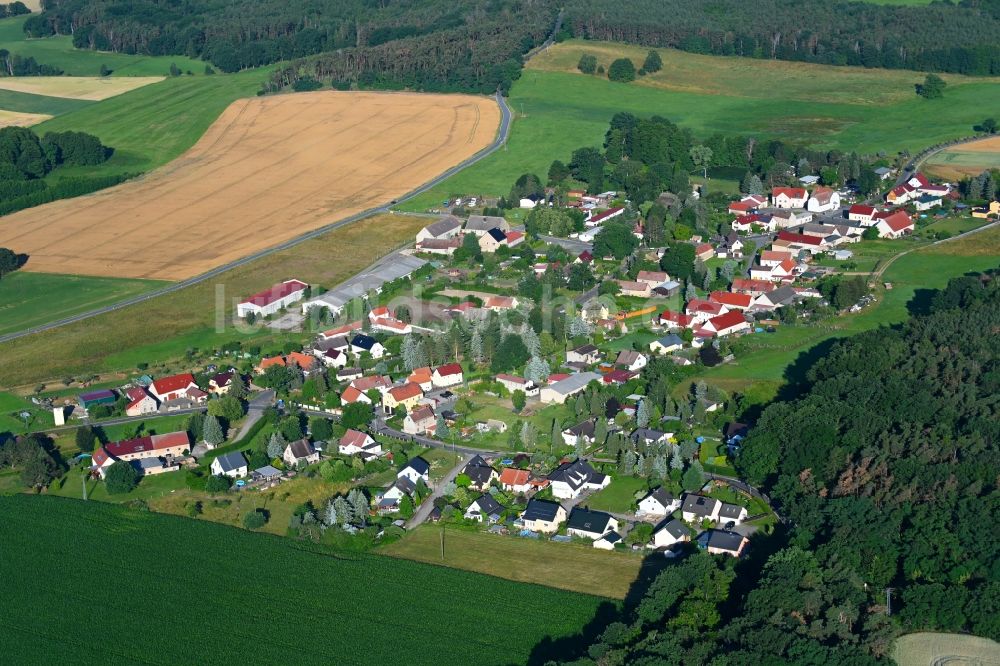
[[267, 170]]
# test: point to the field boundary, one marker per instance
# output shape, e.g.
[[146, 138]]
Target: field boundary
[[498, 142]]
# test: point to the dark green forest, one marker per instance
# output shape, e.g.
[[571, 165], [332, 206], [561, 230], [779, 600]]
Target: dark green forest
[[942, 36], [885, 468]]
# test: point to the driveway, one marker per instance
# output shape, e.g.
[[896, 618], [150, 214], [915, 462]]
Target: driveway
[[255, 410], [425, 508]]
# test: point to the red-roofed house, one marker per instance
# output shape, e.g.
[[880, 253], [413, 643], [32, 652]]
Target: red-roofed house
[[406, 396], [497, 303], [447, 375], [894, 224], [704, 251], [726, 324], [701, 310], [863, 214], [267, 362], [346, 329], [731, 300], [789, 197], [600, 218], [795, 242], [515, 480], [584, 257], [752, 287], [172, 444], [171, 388], [672, 319], [822, 200], [352, 395], [140, 402], [305, 362], [276, 298], [355, 442], [774, 257], [618, 376]]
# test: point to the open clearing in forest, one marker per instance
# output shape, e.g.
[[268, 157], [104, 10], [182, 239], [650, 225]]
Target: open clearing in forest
[[93, 88], [967, 159], [17, 119], [933, 649], [268, 170]]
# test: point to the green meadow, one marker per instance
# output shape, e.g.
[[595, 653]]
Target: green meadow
[[11, 100], [32, 299], [557, 109], [59, 52]]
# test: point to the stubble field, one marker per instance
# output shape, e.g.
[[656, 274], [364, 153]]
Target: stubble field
[[268, 170], [967, 159], [92, 88]]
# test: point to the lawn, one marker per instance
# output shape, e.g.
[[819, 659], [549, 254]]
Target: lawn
[[569, 566], [619, 497], [163, 329], [33, 299], [925, 648], [11, 100], [849, 108], [260, 591], [59, 52]]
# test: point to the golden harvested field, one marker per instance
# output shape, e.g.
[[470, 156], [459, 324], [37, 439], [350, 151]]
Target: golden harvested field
[[967, 159], [17, 119], [268, 170], [93, 88]]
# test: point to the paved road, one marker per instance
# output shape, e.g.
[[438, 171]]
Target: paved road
[[119, 421], [379, 427], [568, 244], [425, 508], [255, 410], [501, 139]]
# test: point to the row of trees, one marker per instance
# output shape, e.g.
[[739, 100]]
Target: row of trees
[[939, 37], [12, 64]]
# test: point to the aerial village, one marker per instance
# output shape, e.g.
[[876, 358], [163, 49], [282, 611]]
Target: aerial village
[[519, 382]]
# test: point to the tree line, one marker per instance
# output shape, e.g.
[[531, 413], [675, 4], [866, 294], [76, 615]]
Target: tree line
[[12, 64], [941, 36], [885, 466]]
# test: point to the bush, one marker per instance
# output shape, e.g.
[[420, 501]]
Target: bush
[[217, 483], [622, 70], [121, 478], [587, 64], [255, 520]]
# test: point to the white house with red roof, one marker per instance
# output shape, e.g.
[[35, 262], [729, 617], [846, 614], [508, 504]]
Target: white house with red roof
[[140, 402], [498, 303], [789, 197], [272, 300], [784, 271], [731, 300], [675, 320], [701, 310], [789, 240], [173, 387], [862, 214], [171, 444], [725, 324], [753, 287], [449, 374], [355, 442], [774, 257], [894, 224], [747, 204], [596, 220], [822, 200]]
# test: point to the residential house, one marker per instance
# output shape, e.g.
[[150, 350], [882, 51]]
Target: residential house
[[491, 241], [784, 295], [480, 473], [480, 225], [586, 354], [669, 532], [752, 287], [790, 241], [823, 200], [355, 442], [704, 251], [771, 258], [667, 344], [733, 301], [731, 247], [729, 323], [789, 197], [598, 219], [746, 223], [675, 320], [388, 500], [862, 214], [300, 452], [267, 362], [423, 377], [168, 446], [732, 514], [352, 395], [515, 480], [884, 173], [747, 204], [584, 257], [926, 202], [894, 225], [405, 396], [499, 303], [231, 464], [272, 300], [658, 503], [173, 387], [572, 478], [697, 508], [417, 469], [783, 219], [513, 383], [561, 390], [484, 508], [608, 541], [332, 358], [635, 289], [442, 246], [349, 374], [140, 402], [990, 210], [722, 542], [649, 436], [702, 310], [420, 420], [631, 360], [543, 516], [652, 278], [447, 227], [447, 375], [589, 524], [304, 362], [581, 432], [365, 343], [220, 383]]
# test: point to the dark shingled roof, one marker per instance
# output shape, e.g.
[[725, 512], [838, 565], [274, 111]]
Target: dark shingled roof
[[589, 521]]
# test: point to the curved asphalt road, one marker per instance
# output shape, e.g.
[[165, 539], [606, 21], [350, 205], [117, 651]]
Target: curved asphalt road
[[505, 120]]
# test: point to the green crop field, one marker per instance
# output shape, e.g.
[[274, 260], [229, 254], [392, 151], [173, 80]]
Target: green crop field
[[28, 103], [32, 299], [558, 109], [73, 567], [59, 52]]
